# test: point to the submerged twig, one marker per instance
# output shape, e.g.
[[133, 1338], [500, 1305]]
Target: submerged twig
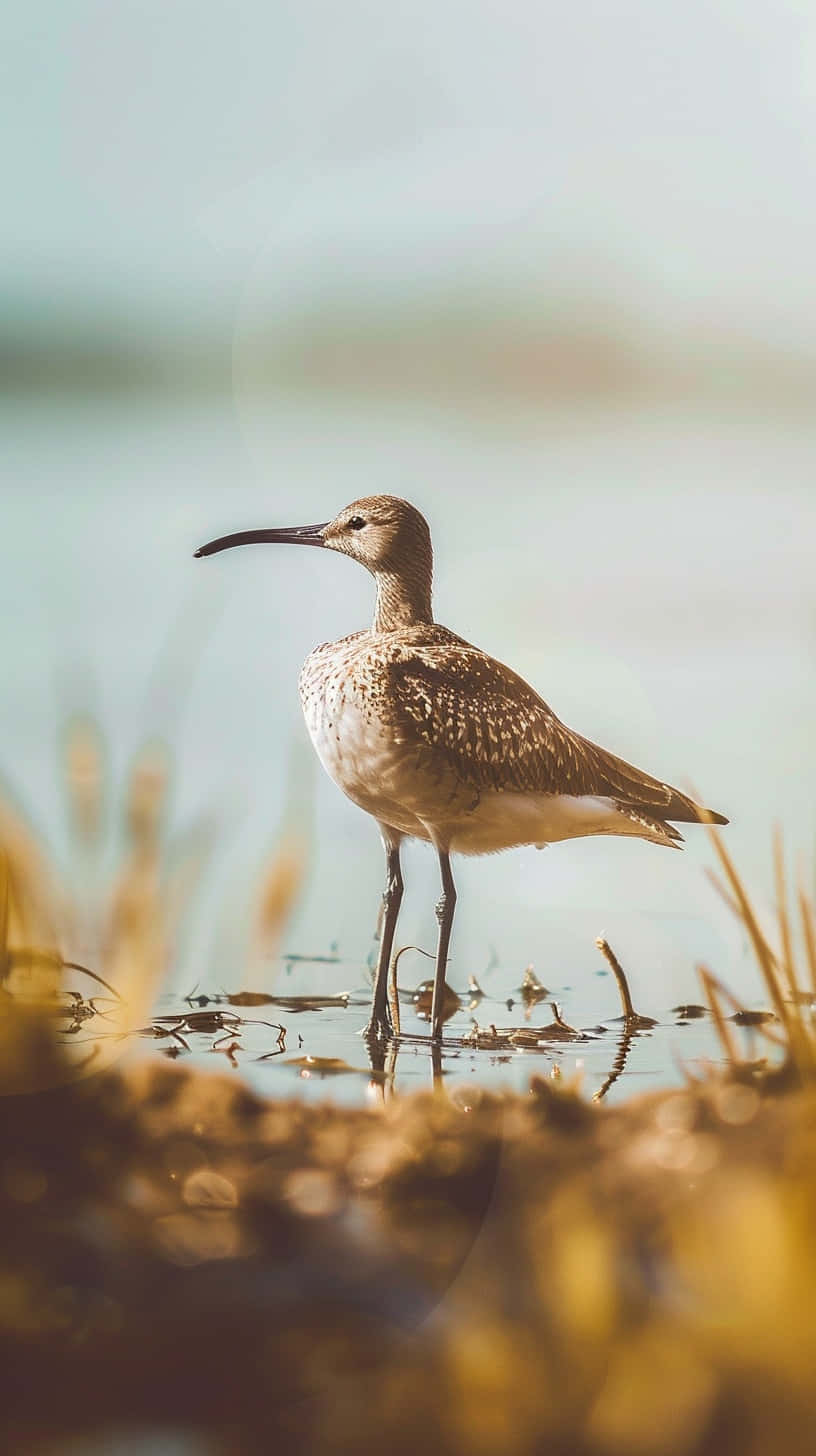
[[393, 988], [631, 1017], [559, 1021], [281, 1047], [619, 1064]]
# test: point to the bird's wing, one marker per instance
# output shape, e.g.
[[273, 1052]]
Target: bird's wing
[[497, 733]]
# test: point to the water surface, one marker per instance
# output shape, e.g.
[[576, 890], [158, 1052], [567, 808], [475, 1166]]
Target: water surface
[[649, 570]]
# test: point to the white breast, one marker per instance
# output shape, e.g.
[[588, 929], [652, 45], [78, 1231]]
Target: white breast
[[356, 748]]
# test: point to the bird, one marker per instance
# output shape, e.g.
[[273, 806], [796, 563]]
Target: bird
[[440, 742]]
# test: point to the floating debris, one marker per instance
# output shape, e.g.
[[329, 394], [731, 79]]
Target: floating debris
[[248, 998], [475, 993], [325, 1067], [515, 1038], [263, 998], [310, 960], [422, 999], [77, 1008], [228, 1051], [227, 1023], [744, 1017], [559, 1030], [531, 990], [310, 1003], [488, 1038]]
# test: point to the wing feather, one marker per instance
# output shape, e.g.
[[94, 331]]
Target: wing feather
[[497, 733]]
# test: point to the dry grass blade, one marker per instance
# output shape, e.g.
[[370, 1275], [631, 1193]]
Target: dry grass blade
[[86, 971], [84, 770], [4, 914], [130, 924], [736, 910], [788, 964], [790, 1001], [188, 859], [808, 921], [712, 988], [31, 960], [147, 797], [725, 895], [280, 886], [746, 914]]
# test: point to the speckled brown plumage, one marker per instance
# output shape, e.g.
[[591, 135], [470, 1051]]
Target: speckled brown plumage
[[435, 692], [439, 741]]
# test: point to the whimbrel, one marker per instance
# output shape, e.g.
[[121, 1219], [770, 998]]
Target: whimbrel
[[438, 741]]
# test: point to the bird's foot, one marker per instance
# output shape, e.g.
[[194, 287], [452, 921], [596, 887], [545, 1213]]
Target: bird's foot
[[380, 1027]]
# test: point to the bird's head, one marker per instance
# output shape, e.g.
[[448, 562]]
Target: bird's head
[[383, 533], [387, 535]]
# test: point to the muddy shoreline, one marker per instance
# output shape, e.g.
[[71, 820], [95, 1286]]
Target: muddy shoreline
[[486, 1272]]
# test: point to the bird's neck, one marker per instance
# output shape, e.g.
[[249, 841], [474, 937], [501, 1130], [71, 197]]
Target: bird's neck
[[402, 601]]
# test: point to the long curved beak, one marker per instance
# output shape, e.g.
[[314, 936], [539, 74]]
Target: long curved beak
[[295, 535]]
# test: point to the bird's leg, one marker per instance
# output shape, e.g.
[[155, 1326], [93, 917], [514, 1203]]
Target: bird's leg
[[444, 914], [380, 1025]]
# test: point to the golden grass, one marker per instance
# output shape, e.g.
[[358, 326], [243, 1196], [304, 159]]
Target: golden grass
[[120, 923], [788, 973]]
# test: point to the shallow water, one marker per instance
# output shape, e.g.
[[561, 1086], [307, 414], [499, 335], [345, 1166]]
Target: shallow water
[[648, 569], [297, 1043]]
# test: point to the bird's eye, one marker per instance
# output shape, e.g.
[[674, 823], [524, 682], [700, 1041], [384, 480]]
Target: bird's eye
[[356, 523]]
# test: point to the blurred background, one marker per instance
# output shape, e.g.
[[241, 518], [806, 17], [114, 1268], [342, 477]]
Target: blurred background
[[546, 270]]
